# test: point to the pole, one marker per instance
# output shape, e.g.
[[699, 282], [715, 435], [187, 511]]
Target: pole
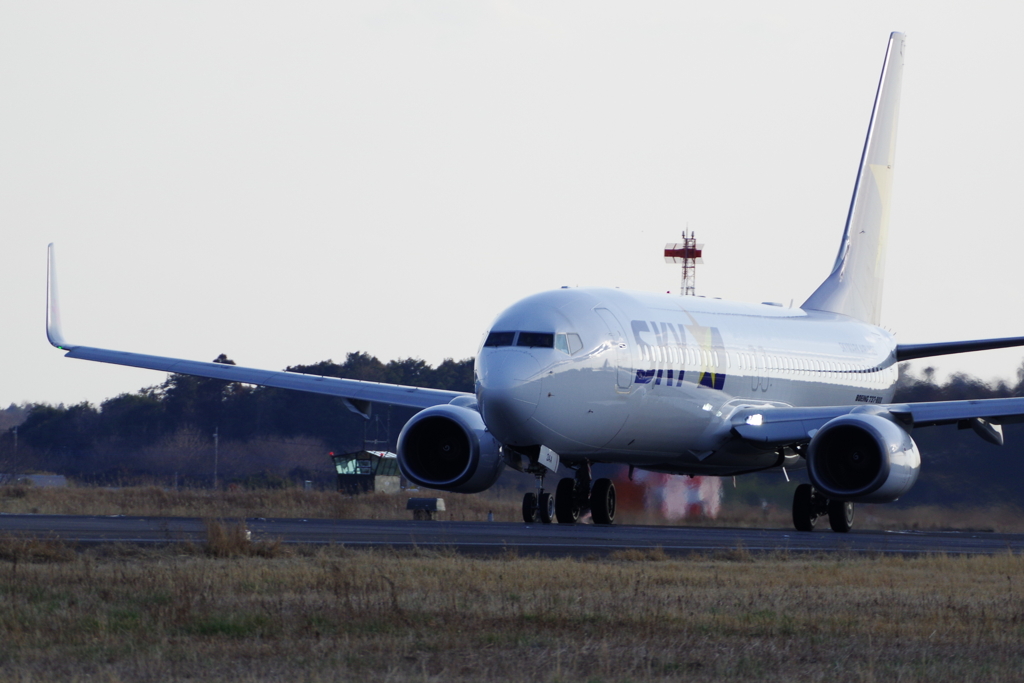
[[216, 453]]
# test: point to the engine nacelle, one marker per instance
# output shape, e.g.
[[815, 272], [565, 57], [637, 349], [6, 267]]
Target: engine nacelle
[[863, 457], [449, 448]]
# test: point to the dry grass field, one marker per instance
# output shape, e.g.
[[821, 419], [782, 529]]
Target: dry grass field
[[232, 609], [237, 611], [152, 501]]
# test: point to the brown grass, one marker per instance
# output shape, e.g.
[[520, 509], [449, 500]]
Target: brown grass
[[333, 614], [505, 505], [235, 540], [152, 501], [998, 518]]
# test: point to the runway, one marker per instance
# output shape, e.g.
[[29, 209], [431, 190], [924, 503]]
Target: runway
[[495, 537]]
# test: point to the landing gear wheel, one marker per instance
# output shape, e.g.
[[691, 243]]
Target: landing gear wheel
[[530, 508], [547, 507], [840, 516], [567, 510], [602, 502], [804, 515]]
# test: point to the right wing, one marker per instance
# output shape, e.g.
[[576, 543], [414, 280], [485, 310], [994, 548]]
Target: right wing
[[357, 394], [778, 426]]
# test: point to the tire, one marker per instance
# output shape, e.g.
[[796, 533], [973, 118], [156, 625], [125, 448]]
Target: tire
[[602, 502], [840, 516], [804, 516], [567, 509], [530, 508], [547, 508]]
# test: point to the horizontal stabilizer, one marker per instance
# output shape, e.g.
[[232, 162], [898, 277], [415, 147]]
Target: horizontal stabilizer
[[912, 351]]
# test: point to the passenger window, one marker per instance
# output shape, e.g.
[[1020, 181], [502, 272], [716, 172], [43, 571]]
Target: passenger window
[[544, 340], [574, 343], [500, 339], [561, 343]]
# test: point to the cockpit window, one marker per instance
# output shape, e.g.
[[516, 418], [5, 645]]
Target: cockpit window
[[544, 340], [500, 339], [568, 343], [575, 344]]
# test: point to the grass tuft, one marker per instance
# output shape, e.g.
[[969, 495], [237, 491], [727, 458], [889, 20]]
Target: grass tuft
[[235, 540], [18, 549], [656, 554]]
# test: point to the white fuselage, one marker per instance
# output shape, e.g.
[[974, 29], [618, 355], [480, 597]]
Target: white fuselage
[[653, 380]]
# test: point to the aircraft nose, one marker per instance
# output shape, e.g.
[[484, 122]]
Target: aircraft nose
[[510, 388]]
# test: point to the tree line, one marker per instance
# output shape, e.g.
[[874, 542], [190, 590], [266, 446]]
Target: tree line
[[167, 430], [135, 434]]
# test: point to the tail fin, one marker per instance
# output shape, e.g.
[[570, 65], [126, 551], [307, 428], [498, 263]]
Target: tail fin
[[854, 287]]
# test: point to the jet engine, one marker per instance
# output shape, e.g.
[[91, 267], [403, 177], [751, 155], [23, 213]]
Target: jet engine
[[448, 447], [863, 457]]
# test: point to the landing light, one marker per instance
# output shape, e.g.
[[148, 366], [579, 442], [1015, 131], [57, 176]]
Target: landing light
[[707, 407], [755, 420]]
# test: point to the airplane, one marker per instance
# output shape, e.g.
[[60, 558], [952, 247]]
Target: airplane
[[673, 384]]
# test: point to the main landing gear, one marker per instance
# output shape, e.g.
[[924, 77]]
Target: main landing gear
[[573, 496], [809, 505]]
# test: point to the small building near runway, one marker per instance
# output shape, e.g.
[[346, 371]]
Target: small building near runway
[[367, 471]]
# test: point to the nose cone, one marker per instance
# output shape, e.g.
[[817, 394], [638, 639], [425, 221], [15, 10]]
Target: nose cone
[[508, 393]]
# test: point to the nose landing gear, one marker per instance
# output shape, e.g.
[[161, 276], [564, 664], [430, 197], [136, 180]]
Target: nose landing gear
[[540, 506]]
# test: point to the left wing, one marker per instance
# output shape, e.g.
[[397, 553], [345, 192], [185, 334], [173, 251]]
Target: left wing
[[357, 394], [783, 426]]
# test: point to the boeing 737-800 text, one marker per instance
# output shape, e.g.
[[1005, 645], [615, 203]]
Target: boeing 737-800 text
[[683, 385]]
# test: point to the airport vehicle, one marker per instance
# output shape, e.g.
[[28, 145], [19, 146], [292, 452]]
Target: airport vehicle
[[682, 385]]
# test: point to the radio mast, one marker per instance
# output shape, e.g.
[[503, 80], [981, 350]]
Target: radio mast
[[688, 253]]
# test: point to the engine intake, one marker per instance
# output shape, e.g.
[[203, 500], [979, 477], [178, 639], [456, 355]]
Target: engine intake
[[863, 457], [449, 448]]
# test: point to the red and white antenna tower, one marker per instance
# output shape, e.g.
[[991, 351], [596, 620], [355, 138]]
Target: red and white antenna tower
[[688, 253]]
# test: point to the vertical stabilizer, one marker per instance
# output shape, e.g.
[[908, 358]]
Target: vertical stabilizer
[[854, 287]]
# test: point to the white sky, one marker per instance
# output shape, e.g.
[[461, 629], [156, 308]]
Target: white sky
[[288, 182]]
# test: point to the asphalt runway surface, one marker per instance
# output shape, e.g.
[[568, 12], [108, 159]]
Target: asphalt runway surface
[[497, 537]]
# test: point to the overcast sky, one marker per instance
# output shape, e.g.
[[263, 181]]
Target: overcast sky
[[288, 182]]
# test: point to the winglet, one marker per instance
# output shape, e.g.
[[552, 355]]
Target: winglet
[[53, 328]]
